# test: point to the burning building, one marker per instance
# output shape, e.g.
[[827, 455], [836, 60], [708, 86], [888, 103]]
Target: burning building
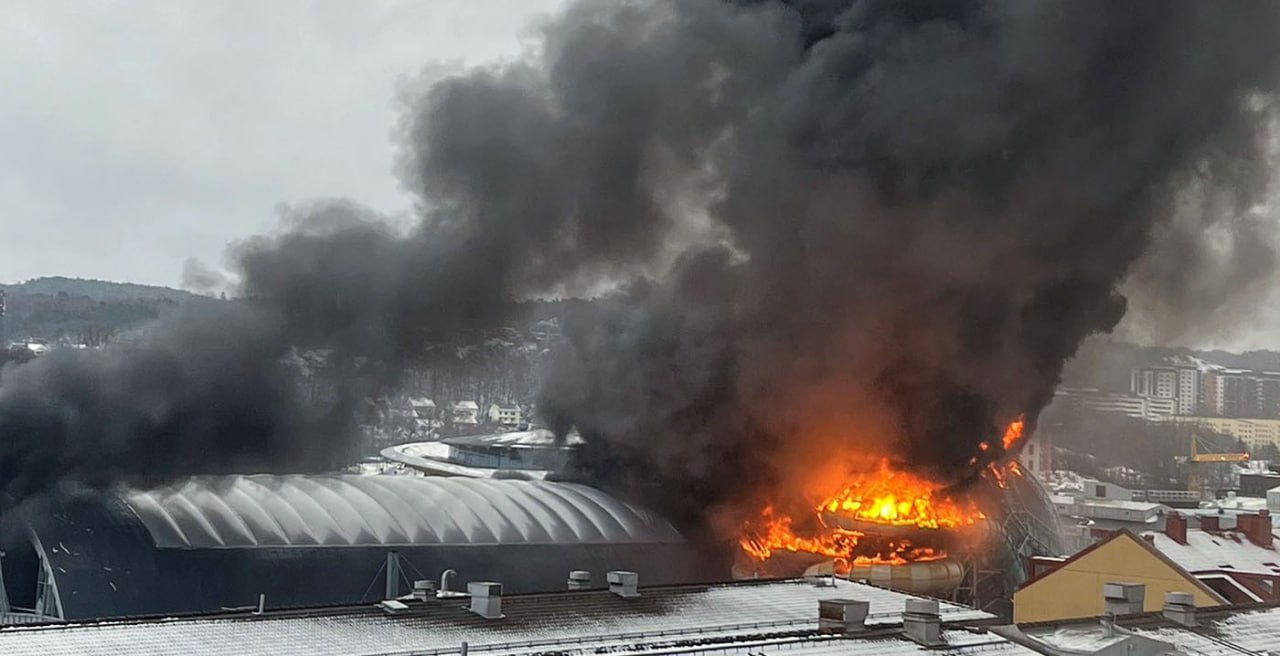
[[898, 530], [847, 247]]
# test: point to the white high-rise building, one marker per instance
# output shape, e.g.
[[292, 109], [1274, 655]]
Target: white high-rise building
[[1179, 384]]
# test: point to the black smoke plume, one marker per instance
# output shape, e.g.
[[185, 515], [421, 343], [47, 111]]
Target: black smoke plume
[[835, 230], [923, 208]]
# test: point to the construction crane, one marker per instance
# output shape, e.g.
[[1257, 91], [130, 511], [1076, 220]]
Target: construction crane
[[1198, 458]]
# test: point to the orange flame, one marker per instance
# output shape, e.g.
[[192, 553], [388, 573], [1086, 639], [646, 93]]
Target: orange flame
[[885, 497], [1012, 434], [899, 499]]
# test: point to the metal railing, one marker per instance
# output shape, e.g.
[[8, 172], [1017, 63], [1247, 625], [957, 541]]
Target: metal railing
[[801, 627]]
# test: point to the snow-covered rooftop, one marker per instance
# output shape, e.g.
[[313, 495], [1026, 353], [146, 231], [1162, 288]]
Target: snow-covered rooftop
[[1218, 632], [732, 614], [1209, 551], [539, 437], [433, 458]]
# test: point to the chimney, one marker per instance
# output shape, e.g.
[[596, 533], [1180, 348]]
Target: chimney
[[1180, 607], [1123, 598], [1210, 524], [842, 615], [1175, 526], [424, 590], [921, 622], [1257, 528], [579, 580], [486, 599], [624, 584]]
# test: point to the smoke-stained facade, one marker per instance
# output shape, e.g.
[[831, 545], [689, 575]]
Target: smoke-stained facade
[[832, 230]]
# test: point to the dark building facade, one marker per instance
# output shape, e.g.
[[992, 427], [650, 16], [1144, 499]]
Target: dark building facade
[[216, 542]]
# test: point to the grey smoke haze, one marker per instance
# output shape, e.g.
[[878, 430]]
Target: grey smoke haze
[[840, 230]]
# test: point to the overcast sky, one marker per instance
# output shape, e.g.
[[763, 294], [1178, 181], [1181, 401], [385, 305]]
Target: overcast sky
[[133, 139]]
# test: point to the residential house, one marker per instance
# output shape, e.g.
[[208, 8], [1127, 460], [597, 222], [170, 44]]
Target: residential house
[[466, 412], [1073, 587], [506, 415]]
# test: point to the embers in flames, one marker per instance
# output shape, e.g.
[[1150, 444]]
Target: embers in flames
[[864, 523], [885, 516], [897, 499]]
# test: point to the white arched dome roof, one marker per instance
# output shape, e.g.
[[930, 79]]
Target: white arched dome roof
[[346, 510]]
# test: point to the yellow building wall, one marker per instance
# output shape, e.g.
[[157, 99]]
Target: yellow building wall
[[1075, 588], [1253, 432]]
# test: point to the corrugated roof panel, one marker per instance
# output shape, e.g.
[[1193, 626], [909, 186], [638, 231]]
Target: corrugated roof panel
[[255, 511], [486, 518], [261, 497]]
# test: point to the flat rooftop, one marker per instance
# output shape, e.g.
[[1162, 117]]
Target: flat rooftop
[[737, 613]]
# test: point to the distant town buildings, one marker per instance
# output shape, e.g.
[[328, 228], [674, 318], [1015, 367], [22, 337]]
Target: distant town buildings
[[1138, 407], [1253, 432], [1241, 403], [1203, 389]]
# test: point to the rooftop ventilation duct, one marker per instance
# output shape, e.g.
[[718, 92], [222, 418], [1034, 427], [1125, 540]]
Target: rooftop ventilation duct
[[486, 599], [424, 590], [842, 615], [1180, 607], [624, 584], [1123, 598], [921, 622], [391, 606], [443, 592], [579, 580]]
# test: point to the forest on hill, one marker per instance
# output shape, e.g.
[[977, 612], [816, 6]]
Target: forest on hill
[[57, 310]]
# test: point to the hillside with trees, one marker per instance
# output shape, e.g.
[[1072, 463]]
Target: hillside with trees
[[85, 312]]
